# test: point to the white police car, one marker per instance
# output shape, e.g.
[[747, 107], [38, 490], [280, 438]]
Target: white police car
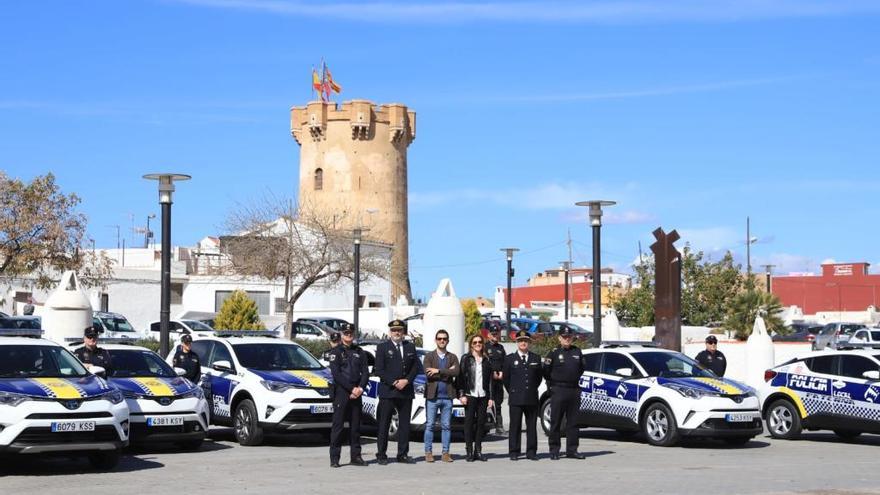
[[663, 394], [826, 390], [257, 383], [164, 407], [50, 403]]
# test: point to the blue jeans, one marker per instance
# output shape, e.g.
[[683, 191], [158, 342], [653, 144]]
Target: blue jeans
[[445, 407]]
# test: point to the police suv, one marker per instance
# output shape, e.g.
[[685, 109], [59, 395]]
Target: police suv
[[164, 407], [257, 383], [663, 394], [50, 403], [826, 390]]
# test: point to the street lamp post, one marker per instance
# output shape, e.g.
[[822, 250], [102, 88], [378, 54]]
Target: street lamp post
[[596, 223], [166, 189], [509, 253], [358, 233], [768, 272], [566, 266]]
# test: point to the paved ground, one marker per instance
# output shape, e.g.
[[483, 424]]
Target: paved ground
[[299, 464]]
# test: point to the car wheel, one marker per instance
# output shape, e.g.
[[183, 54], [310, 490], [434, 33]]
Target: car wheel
[[246, 426], [104, 460], [658, 425], [847, 434], [783, 420], [737, 440], [191, 445], [545, 416]]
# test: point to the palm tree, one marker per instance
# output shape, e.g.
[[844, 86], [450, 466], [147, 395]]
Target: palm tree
[[746, 306]]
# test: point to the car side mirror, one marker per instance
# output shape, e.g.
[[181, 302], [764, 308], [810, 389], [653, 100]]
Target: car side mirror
[[98, 370], [222, 366], [872, 375], [179, 371], [625, 372]]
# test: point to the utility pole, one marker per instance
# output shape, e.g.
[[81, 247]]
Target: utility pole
[[768, 270], [566, 266]]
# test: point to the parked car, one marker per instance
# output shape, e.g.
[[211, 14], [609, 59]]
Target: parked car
[[335, 324], [865, 336], [24, 322], [833, 334], [799, 332], [580, 333], [537, 329], [182, 327], [113, 326]]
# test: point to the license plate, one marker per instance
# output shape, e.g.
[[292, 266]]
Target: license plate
[[322, 409], [66, 426], [458, 413], [165, 421], [740, 418]]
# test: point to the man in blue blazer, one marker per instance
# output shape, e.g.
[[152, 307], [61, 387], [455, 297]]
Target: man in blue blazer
[[397, 365], [522, 374]]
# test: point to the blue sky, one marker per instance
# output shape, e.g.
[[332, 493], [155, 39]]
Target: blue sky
[[691, 114]]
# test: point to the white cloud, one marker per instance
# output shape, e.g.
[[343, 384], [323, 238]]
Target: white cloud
[[594, 12], [711, 239]]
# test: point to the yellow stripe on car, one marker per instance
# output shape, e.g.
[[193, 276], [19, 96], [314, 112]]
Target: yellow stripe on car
[[311, 379], [154, 386], [60, 389], [721, 386], [796, 399]]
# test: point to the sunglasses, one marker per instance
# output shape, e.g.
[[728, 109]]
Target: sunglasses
[[477, 342], [442, 339]]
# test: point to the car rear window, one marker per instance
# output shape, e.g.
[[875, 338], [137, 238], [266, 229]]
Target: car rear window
[[875, 335], [849, 329]]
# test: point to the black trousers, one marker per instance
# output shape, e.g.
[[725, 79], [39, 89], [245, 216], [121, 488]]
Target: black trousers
[[516, 417], [345, 409], [475, 422], [564, 403], [498, 399], [404, 414]]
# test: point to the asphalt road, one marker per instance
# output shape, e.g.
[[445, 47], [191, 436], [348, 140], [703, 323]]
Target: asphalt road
[[299, 464]]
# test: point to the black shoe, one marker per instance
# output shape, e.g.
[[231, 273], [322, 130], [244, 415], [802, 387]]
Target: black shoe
[[554, 456], [470, 458], [478, 456], [575, 455], [514, 457], [334, 463], [382, 460], [405, 459], [358, 461], [532, 457]]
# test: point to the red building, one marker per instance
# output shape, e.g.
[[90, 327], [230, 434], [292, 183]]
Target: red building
[[841, 287]]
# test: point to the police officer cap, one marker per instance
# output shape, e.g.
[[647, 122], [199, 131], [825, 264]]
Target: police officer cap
[[90, 332], [523, 335], [566, 331], [397, 324], [186, 338], [711, 339], [334, 337], [346, 328]]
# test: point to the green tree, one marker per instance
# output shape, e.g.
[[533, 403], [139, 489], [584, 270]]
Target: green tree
[[746, 306], [472, 318], [238, 312], [635, 307], [707, 287]]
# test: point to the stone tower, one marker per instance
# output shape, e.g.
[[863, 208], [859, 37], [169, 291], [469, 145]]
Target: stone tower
[[353, 161]]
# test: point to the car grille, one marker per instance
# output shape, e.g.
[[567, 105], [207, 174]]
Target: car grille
[[721, 424], [63, 416], [304, 416], [141, 430], [312, 401], [44, 435]]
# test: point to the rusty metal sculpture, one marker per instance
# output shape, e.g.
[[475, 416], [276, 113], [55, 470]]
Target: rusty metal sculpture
[[667, 290]]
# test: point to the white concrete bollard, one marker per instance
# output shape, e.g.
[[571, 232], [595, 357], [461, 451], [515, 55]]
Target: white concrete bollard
[[760, 354], [610, 327], [444, 311], [67, 311]]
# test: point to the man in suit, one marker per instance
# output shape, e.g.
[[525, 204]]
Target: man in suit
[[397, 365], [522, 374]]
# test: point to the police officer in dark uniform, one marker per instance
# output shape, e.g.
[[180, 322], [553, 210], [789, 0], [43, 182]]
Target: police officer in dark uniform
[[712, 358], [397, 365], [496, 353], [348, 364], [91, 355], [563, 367], [186, 359], [522, 375]]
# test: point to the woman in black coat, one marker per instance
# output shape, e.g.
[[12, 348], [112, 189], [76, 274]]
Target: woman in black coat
[[474, 392]]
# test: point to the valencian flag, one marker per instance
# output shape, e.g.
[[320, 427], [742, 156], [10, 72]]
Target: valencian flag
[[324, 85]]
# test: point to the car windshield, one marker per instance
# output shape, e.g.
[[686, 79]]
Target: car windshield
[[670, 365], [35, 361], [197, 325], [116, 324], [269, 357], [134, 362], [577, 328]]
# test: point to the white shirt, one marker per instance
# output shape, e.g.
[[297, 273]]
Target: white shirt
[[478, 391]]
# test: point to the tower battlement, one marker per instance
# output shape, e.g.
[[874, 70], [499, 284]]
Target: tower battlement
[[362, 116]]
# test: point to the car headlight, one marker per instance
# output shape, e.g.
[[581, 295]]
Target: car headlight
[[280, 386], [691, 392], [114, 396], [420, 389], [195, 393], [11, 399]]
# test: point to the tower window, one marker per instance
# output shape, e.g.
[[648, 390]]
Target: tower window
[[319, 179]]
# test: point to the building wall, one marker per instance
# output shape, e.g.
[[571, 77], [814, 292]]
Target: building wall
[[841, 287], [361, 151]]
